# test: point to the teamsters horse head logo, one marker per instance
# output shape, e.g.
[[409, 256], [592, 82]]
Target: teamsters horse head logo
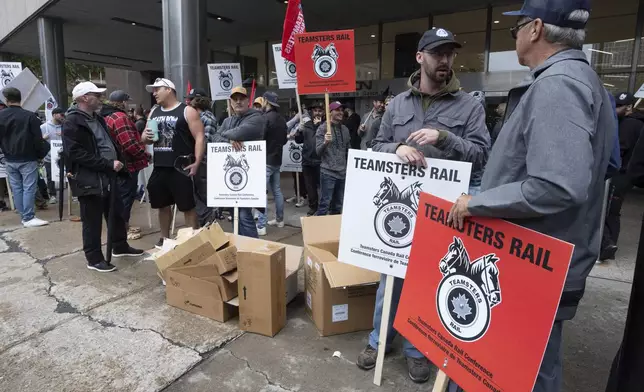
[[396, 215], [226, 80], [468, 292], [325, 60], [236, 173], [6, 76], [295, 152]]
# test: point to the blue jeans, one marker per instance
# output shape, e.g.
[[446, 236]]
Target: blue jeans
[[408, 350], [331, 195], [273, 183], [23, 179], [474, 190], [247, 227]]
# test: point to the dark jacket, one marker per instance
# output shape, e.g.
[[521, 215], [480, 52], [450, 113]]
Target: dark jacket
[[20, 136], [248, 127], [630, 128], [306, 137], [275, 136], [353, 123], [82, 157]]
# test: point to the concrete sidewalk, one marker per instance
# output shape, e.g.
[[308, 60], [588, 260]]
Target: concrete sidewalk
[[65, 328]]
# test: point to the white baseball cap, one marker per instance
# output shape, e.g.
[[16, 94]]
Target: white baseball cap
[[86, 88], [160, 82]]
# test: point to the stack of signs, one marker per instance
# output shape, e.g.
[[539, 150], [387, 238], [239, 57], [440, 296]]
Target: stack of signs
[[292, 157], [236, 178], [56, 148], [223, 78], [286, 70], [381, 200], [481, 301]]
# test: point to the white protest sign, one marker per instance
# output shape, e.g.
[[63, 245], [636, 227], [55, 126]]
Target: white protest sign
[[286, 70], [3, 170], [34, 93], [380, 203], [56, 148], [237, 178], [8, 71], [50, 105], [292, 157], [223, 78], [640, 92]]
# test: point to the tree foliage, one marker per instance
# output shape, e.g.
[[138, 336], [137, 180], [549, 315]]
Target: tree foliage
[[74, 72]]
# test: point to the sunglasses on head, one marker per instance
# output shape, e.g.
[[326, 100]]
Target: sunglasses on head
[[160, 80], [515, 30]]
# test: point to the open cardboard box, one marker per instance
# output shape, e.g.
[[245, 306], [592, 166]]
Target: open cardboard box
[[340, 298]]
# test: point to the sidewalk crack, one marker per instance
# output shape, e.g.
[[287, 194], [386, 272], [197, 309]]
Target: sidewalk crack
[[268, 380]]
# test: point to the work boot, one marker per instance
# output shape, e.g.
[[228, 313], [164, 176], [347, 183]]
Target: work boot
[[418, 369], [367, 358]]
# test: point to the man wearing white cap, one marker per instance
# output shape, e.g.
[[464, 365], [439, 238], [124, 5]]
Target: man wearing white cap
[[179, 147], [93, 157]]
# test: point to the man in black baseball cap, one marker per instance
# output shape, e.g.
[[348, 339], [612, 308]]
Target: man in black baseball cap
[[196, 92]]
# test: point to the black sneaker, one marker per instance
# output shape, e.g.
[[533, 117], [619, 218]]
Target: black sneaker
[[311, 212], [128, 252], [608, 253], [103, 266], [367, 358], [419, 369], [159, 245]]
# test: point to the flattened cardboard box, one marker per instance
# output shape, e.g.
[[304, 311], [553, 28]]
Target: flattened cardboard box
[[204, 280], [340, 298], [262, 292]]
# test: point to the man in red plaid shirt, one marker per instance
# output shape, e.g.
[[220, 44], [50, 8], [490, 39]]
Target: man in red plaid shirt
[[127, 138]]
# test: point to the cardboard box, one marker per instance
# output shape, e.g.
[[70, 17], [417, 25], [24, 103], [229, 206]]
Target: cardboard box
[[262, 291], [202, 305], [293, 260], [205, 281], [340, 298], [203, 245]]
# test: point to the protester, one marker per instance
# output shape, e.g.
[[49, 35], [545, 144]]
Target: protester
[[275, 136], [243, 125], [305, 135], [496, 129], [333, 150], [52, 130], [178, 153], [352, 122], [23, 146], [547, 169], [140, 119], [292, 126], [123, 130], [367, 130], [200, 101], [631, 125], [433, 119], [93, 158], [258, 104]]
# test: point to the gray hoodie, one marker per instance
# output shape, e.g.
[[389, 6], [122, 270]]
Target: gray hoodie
[[547, 168], [334, 154]]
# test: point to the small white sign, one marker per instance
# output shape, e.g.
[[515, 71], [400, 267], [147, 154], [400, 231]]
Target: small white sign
[[340, 313], [8, 71], [237, 178], [56, 148], [381, 201], [3, 170], [223, 78], [640, 92], [292, 157], [286, 70]]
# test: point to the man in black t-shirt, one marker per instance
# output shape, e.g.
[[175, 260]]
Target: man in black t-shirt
[[178, 152]]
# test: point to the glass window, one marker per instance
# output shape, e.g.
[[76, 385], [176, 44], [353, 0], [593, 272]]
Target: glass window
[[399, 41], [469, 30], [503, 55], [254, 62], [366, 39]]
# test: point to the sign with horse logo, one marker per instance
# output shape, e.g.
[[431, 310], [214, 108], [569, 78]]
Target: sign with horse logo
[[223, 77], [8, 71], [292, 157], [236, 178], [381, 201], [481, 301], [286, 70], [325, 62]]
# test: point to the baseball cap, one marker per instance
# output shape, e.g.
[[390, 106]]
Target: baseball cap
[[119, 96], [317, 104], [197, 92], [624, 99], [436, 37], [85, 88], [239, 90], [259, 100], [160, 82], [335, 105], [271, 98], [58, 111], [554, 12]]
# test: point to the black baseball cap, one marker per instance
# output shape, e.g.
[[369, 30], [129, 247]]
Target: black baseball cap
[[554, 12], [197, 92], [119, 96], [436, 37], [58, 111], [624, 99]]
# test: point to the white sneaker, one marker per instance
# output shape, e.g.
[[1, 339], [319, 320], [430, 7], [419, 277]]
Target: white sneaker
[[35, 222], [291, 199], [52, 200], [274, 222], [261, 232], [300, 203]]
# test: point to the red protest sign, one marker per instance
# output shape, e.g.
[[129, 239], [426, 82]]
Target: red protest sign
[[293, 24], [326, 62], [482, 301]]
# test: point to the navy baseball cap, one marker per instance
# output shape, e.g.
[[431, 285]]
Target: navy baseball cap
[[197, 92], [554, 12], [436, 37], [119, 96]]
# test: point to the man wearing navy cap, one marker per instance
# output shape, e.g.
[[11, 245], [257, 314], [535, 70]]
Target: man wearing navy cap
[[547, 169]]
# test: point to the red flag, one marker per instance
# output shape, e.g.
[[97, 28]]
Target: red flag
[[189, 88], [293, 24], [252, 94]]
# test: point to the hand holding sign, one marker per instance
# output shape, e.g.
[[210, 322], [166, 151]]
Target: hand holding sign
[[411, 155], [459, 212]]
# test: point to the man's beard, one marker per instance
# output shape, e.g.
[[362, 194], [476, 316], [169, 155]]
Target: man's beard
[[434, 75]]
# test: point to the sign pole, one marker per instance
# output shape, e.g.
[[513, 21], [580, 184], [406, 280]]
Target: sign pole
[[297, 174], [69, 199], [236, 220], [384, 322], [441, 383], [174, 219], [13, 207], [604, 209], [328, 113]]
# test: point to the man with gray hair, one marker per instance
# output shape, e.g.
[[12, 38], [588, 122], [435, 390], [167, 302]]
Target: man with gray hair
[[547, 169]]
